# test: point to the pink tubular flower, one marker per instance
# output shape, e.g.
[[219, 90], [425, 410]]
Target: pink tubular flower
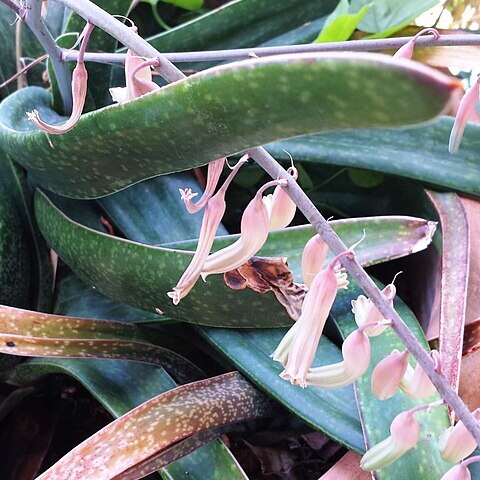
[[456, 443], [297, 349], [211, 219], [388, 373], [407, 50], [281, 208], [356, 359], [458, 472], [213, 176], [313, 256], [466, 112], [254, 233], [79, 92], [138, 79], [366, 312], [404, 435]]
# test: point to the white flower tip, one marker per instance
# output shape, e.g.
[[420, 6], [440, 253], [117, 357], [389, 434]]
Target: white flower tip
[[175, 295], [119, 94]]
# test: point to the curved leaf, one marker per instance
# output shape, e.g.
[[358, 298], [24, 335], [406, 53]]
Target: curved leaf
[[452, 296], [165, 419], [275, 97], [423, 462], [34, 334], [14, 256], [420, 153], [14, 184], [331, 411], [141, 275]]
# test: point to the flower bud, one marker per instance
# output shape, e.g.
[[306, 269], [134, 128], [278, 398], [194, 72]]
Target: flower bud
[[416, 383], [356, 359], [456, 443], [466, 112], [314, 254], [404, 435], [458, 472], [388, 373], [281, 208]]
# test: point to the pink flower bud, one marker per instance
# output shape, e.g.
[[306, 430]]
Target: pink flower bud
[[313, 257], [404, 435], [281, 208], [416, 383], [466, 112], [456, 443], [406, 51], [366, 312], [458, 472], [138, 79], [388, 373]]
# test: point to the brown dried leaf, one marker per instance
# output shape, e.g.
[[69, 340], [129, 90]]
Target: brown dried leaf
[[265, 274]]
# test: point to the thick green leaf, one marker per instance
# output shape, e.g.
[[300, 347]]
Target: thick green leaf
[[15, 258], [185, 4], [75, 298], [150, 272], [151, 211], [340, 24], [241, 23], [423, 462], [330, 411], [387, 16], [275, 97], [14, 185], [420, 153], [7, 49]]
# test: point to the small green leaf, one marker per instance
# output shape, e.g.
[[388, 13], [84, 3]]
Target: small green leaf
[[340, 24], [275, 97]]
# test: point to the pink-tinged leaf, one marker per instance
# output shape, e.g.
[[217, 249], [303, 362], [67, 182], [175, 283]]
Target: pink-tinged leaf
[[347, 467], [472, 209], [35, 334], [454, 280], [157, 424]]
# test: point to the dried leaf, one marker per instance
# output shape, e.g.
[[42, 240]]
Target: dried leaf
[[265, 274]]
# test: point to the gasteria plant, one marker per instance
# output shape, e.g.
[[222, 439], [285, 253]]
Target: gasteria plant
[[200, 120]]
